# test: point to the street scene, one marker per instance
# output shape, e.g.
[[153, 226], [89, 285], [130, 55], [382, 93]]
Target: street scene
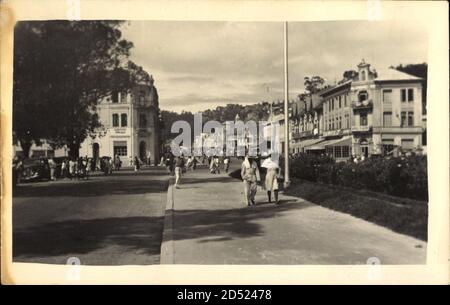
[[238, 147]]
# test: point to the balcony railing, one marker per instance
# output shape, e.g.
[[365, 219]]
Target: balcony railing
[[361, 128], [333, 133], [367, 104], [302, 134]]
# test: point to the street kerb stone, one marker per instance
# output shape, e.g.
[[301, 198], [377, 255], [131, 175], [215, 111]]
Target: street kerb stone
[[167, 245]]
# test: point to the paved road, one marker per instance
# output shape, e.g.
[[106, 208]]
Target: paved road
[[211, 225], [110, 220]]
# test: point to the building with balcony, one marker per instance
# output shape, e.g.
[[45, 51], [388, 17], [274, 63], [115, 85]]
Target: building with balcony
[[376, 112], [130, 125], [307, 123]]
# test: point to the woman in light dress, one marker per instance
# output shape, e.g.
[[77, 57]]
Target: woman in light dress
[[271, 183]]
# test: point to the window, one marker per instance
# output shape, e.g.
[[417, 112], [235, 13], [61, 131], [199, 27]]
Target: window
[[387, 119], [115, 96], [123, 120], [123, 97], [337, 152], [332, 124], [120, 148], [363, 75], [363, 119], [332, 104], [340, 122], [410, 95], [362, 96], [345, 100], [410, 118], [403, 95], [142, 120], [141, 97], [345, 151], [403, 119], [387, 94], [388, 146], [115, 120], [407, 144], [329, 150]]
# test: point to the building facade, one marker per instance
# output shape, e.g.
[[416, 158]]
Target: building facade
[[130, 122], [374, 113]]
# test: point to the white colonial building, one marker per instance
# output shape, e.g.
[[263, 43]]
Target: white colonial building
[[130, 125]]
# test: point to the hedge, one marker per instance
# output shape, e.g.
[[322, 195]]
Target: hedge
[[402, 176]]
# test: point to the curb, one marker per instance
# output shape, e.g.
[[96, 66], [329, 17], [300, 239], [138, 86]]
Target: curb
[[167, 244]]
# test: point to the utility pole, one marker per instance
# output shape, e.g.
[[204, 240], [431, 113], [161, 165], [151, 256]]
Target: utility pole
[[286, 109]]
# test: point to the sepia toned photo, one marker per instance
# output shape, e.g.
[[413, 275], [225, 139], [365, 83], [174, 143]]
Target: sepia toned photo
[[96, 174], [220, 143]]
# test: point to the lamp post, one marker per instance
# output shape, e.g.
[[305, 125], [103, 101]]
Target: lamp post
[[286, 109]]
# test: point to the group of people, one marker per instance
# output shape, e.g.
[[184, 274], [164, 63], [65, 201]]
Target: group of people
[[215, 163], [250, 172]]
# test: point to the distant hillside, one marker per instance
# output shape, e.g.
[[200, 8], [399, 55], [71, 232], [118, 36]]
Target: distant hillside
[[255, 112]]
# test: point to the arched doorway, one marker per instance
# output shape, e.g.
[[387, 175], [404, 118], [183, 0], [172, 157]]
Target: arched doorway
[[143, 151]]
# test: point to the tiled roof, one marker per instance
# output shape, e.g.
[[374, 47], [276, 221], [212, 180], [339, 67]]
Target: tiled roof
[[393, 74]]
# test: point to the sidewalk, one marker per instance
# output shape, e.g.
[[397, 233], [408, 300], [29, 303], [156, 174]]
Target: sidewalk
[[207, 223]]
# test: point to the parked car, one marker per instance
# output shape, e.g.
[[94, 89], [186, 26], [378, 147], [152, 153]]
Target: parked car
[[34, 170]]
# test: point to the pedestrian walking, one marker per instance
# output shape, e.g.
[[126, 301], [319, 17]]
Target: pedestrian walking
[[194, 163], [149, 158], [110, 165], [64, 168], [168, 161], [179, 164], [271, 181], [117, 163], [137, 164], [52, 165], [250, 177], [17, 170], [226, 164], [71, 168]]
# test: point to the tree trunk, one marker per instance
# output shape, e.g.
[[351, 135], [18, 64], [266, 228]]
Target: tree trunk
[[26, 146], [74, 150]]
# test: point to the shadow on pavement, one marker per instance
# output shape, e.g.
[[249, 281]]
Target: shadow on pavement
[[209, 179], [74, 237], [87, 188], [221, 225]]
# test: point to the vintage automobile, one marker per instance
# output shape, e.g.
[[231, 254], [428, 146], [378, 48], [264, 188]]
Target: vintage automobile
[[34, 170]]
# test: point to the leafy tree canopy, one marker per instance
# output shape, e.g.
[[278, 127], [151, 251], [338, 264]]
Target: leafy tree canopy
[[61, 70]]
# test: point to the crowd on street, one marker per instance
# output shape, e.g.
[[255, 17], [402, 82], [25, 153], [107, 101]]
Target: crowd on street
[[53, 168]]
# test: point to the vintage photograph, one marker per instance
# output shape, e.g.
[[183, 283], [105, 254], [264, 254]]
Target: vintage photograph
[[219, 143]]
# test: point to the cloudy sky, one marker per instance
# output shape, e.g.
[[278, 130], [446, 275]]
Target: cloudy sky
[[200, 65]]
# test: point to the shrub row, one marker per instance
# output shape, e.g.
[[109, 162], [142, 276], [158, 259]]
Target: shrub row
[[403, 176]]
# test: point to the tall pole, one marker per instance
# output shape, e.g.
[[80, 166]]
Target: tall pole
[[286, 109]]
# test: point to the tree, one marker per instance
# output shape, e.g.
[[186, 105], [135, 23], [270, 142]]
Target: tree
[[61, 70], [348, 75], [313, 84]]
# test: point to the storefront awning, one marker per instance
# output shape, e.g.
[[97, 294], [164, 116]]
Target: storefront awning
[[305, 143], [344, 141]]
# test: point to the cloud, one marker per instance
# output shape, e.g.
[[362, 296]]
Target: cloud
[[204, 64]]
